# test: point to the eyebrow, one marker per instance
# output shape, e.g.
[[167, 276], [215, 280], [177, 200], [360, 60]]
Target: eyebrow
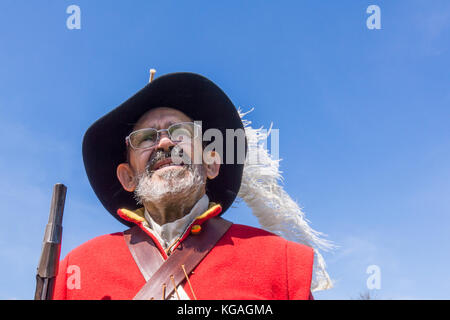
[[168, 124]]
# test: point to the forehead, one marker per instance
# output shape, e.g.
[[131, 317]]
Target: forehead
[[160, 118]]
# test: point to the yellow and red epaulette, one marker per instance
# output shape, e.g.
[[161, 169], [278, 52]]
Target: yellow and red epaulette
[[138, 217]]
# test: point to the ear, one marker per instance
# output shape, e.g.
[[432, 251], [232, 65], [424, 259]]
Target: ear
[[125, 175], [212, 164]]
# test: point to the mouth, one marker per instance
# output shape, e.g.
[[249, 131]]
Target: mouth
[[165, 164]]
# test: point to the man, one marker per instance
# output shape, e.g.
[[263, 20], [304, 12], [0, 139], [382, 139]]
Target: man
[[142, 162]]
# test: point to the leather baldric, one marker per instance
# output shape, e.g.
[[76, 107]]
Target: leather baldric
[[164, 276], [144, 252]]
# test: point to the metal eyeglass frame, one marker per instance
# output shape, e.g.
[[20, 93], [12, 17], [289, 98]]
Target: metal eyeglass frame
[[128, 142]]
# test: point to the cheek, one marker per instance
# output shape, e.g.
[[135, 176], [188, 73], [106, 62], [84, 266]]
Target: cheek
[[139, 160]]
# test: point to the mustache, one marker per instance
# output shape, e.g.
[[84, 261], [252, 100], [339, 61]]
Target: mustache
[[160, 155], [180, 184]]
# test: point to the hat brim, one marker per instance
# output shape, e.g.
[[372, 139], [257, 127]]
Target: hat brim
[[199, 98]]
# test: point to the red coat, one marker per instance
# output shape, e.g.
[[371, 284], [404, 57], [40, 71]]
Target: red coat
[[246, 263]]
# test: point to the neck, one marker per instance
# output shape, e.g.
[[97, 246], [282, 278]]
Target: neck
[[172, 209]]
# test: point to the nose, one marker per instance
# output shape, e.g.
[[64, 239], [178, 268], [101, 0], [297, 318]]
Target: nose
[[164, 142]]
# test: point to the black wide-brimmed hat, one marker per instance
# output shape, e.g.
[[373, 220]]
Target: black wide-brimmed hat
[[199, 98]]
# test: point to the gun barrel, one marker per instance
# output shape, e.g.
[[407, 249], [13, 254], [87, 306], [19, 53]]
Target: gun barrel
[[51, 246]]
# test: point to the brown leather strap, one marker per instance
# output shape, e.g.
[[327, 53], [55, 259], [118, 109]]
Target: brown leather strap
[[144, 252], [188, 255]]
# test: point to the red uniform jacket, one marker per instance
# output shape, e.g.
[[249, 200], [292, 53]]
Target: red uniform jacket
[[246, 263]]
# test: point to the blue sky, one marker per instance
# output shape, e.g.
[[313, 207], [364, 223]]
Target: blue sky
[[363, 118]]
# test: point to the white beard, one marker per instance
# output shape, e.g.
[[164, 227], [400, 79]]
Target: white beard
[[173, 186]]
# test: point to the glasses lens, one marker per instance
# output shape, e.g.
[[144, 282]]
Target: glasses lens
[[182, 132], [144, 138]]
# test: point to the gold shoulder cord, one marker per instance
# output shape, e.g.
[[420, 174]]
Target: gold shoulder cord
[[189, 282]]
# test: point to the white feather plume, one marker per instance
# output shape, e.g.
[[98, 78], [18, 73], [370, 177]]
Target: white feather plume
[[274, 208]]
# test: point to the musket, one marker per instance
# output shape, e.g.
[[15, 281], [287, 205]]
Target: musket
[[51, 246]]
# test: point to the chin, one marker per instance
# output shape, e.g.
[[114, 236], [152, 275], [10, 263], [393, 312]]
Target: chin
[[170, 172], [170, 184], [174, 196]]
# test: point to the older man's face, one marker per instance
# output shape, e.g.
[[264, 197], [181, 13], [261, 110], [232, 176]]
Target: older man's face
[[150, 172], [160, 118]]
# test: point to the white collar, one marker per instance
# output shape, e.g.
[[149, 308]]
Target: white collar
[[169, 232]]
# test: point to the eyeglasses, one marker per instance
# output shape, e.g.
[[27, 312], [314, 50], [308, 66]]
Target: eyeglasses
[[147, 138]]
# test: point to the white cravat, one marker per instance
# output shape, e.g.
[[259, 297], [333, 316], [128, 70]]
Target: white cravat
[[168, 233]]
